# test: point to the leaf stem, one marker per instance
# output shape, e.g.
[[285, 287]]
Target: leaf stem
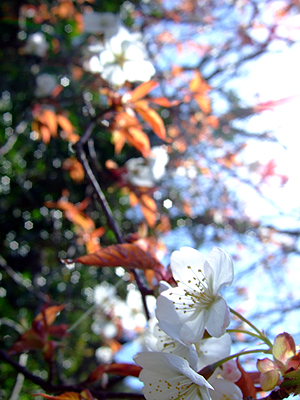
[[260, 335]]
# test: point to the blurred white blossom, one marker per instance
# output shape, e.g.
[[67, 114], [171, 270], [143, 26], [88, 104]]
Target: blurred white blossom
[[45, 84], [36, 44], [122, 58], [146, 172]]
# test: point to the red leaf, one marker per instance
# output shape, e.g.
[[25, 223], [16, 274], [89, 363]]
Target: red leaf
[[127, 255], [142, 90], [245, 383], [122, 369], [27, 341]]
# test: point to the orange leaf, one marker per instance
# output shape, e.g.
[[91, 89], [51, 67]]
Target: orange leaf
[[118, 139], [84, 395], [139, 140], [203, 102], [142, 90], [198, 84], [49, 119], [133, 200], [75, 169], [68, 128], [127, 255], [153, 119], [164, 102], [148, 206], [49, 314], [128, 126], [45, 134]]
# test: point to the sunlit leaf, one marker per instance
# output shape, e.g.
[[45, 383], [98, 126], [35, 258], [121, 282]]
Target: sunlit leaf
[[45, 133], [142, 90], [67, 128], [139, 140], [49, 119], [152, 118], [49, 315], [149, 209], [127, 255], [84, 395], [75, 169]]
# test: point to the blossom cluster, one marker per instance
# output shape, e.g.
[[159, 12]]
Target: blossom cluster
[[189, 332], [121, 55]]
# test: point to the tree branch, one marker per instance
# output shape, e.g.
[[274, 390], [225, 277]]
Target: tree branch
[[49, 387]]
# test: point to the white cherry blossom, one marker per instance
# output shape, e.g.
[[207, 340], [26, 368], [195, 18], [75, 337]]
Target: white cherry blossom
[[125, 59], [36, 44], [184, 312], [169, 377], [146, 172], [45, 84]]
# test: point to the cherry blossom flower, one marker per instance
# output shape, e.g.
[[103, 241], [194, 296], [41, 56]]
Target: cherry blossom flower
[[169, 377], [45, 84], [147, 172], [184, 312], [36, 44], [125, 59]]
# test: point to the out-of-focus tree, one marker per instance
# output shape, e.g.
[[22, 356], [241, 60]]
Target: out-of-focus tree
[[123, 140]]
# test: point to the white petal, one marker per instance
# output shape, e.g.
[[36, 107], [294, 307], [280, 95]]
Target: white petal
[[138, 70], [107, 57], [221, 264], [115, 42], [133, 51], [218, 318], [184, 258], [94, 65], [193, 329], [213, 349], [225, 390], [165, 308], [113, 74]]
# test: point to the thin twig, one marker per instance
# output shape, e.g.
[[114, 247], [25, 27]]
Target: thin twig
[[81, 155]]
